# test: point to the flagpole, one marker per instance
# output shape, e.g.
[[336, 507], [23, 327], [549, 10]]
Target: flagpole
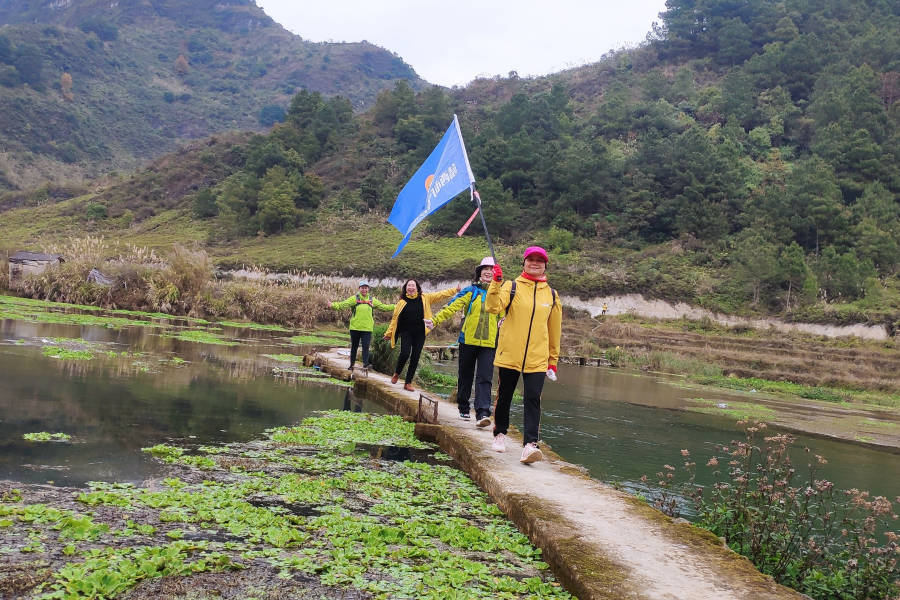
[[484, 223]]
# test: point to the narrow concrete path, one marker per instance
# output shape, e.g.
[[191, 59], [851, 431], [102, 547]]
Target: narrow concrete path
[[600, 542]]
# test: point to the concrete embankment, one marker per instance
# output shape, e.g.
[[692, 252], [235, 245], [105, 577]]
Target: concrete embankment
[[635, 304], [600, 543]]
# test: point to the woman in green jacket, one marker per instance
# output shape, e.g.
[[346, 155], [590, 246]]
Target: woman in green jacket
[[477, 344], [362, 321]]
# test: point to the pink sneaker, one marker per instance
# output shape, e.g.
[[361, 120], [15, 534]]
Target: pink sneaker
[[531, 454], [499, 444]]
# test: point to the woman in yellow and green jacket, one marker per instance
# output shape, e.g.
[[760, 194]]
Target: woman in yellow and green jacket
[[477, 344], [362, 321], [410, 313], [528, 345]]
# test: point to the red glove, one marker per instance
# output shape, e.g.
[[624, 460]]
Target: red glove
[[552, 368], [498, 273]]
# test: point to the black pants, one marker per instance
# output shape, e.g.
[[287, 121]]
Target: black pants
[[355, 338], [411, 344], [475, 363], [534, 385]]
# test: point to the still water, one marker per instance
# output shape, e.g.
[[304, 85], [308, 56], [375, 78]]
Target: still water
[[620, 425], [113, 406]]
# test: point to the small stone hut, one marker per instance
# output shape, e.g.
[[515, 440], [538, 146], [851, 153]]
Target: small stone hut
[[28, 263]]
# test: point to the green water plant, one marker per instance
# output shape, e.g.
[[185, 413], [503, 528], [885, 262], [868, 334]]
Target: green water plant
[[202, 337], [67, 354], [320, 502], [43, 436], [293, 358]]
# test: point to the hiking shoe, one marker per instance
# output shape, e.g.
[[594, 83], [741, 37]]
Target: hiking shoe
[[499, 444], [408, 387], [464, 416], [483, 422], [395, 378], [531, 454]]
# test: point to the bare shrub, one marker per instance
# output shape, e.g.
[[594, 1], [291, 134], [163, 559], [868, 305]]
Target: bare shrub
[[4, 273], [182, 283]]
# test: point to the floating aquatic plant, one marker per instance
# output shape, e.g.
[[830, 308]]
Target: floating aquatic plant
[[43, 436], [310, 501]]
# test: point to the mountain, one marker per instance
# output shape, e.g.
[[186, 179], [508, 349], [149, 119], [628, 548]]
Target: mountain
[[93, 86], [744, 159]]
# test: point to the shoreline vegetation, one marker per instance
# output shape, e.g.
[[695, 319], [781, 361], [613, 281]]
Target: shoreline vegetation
[[184, 285]]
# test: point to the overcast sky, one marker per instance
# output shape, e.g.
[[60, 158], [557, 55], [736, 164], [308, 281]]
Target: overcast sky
[[451, 43]]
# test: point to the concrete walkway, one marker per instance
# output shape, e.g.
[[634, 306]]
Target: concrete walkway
[[599, 542]]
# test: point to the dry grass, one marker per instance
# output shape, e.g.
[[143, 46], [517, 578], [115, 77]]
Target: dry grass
[[182, 283], [4, 273]]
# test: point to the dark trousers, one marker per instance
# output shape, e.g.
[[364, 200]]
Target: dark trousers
[[411, 344], [534, 385], [357, 337], [475, 363]]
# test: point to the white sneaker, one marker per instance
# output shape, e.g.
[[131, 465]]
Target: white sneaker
[[483, 422], [531, 454], [499, 444]]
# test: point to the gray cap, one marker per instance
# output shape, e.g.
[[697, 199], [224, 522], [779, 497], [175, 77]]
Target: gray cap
[[364, 282]]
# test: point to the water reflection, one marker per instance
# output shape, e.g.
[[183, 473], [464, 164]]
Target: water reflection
[[621, 425], [115, 405]]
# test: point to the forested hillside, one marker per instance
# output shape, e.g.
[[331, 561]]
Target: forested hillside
[[744, 158], [91, 86]]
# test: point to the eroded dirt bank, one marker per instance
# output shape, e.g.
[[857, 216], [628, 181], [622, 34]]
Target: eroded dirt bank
[[634, 304]]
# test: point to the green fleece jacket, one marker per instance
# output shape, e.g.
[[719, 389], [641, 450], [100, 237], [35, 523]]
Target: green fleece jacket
[[362, 319]]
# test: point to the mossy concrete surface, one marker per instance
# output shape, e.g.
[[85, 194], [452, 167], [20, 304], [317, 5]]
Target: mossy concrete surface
[[600, 543]]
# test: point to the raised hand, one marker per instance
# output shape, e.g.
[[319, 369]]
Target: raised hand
[[498, 273]]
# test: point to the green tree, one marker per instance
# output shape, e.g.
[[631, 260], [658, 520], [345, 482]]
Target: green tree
[[205, 204], [756, 260], [794, 270], [277, 210], [271, 114], [879, 204], [6, 49], [734, 42], [29, 61], [877, 245]]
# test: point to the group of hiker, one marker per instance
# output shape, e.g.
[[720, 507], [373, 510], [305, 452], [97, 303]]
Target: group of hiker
[[513, 325]]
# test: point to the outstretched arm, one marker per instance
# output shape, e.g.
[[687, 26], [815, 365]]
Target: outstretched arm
[[348, 303], [457, 304], [382, 306], [442, 295]]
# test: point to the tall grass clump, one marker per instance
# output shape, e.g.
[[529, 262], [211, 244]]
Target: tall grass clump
[[4, 273], [792, 524], [660, 361], [181, 283]]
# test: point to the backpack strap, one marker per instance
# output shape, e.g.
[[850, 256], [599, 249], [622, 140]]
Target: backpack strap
[[475, 293], [512, 294]]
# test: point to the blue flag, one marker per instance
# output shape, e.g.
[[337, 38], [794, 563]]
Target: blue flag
[[441, 177]]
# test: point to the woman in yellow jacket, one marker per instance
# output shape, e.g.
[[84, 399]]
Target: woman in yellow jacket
[[528, 345], [410, 314]]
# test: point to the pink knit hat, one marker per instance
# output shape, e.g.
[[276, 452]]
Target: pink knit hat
[[538, 251]]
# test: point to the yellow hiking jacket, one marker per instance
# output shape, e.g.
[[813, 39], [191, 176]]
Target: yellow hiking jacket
[[530, 335], [479, 327], [427, 300]]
